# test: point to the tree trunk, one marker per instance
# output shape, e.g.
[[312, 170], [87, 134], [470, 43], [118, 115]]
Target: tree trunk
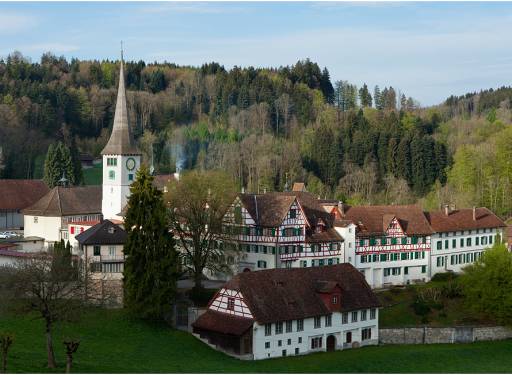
[[49, 346], [198, 278], [69, 363], [4, 362]]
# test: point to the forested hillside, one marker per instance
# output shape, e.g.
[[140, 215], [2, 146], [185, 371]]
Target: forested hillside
[[268, 127]]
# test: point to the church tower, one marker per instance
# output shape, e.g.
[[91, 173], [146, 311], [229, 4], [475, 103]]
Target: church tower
[[121, 158]]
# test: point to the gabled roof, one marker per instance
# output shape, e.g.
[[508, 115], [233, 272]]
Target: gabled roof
[[267, 210], [374, 220], [285, 294], [103, 233], [121, 140], [462, 219], [68, 201], [20, 194]]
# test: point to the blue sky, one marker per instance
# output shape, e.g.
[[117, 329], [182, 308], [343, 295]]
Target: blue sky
[[427, 50]]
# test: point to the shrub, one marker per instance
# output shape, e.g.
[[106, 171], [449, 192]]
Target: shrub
[[420, 307], [452, 289], [445, 276], [430, 294]]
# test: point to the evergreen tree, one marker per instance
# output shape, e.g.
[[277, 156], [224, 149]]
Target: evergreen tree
[[365, 98], [77, 165], [151, 267], [377, 97], [58, 163], [326, 87]]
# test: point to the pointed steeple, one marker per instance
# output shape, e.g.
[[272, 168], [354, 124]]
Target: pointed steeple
[[121, 140]]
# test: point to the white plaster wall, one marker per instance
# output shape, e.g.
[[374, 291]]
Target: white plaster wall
[[446, 253], [116, 191], [337, 329], [47, 227]]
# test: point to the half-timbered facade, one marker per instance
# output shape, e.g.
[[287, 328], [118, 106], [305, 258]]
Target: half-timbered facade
[[286, 312], [392, 243], [281, 230]]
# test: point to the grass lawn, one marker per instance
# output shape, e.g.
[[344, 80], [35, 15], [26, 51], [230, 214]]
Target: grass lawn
[[93, 176], [111, 342]]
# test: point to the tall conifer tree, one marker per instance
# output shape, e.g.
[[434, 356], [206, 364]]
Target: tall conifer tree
[[151, 267]]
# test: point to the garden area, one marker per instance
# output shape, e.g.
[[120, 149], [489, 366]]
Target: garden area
[[438, 303], [112, 342]]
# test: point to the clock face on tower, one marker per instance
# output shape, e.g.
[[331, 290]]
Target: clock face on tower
[[130, 164]]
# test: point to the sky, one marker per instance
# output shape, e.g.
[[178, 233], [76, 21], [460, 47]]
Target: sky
[[426, 50]]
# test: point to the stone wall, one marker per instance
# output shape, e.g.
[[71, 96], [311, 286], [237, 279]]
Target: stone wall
[[448, 335]]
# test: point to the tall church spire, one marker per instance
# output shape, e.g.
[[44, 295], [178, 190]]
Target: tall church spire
[[121, 140]]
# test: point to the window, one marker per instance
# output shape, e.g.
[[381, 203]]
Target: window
[[490, 239], [344, 318], [316, 342], [406, 270], [289, 326], [366, 334], [267, 345], [454, 243], [477, 241], [354, 316], [446, 242], [111, 175], [231, 303], [262, 264], [462, 242], [279, 328], [130, 177], [284, 353], [96, 250], [289, 342], [328, 320], [439, 245], [268, 329], [300, 325], [296, 351], [293, 213], [36, 219], [468, 241], [423, 269], [334, 300], [280, 343], [373, 313], [304, 263], [404, 240], [363, 315], [299, 340], [317, 322], [112, 251], [383, 241]]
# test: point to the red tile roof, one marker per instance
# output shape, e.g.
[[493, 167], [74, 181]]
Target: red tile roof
[[19, 194], [285, 294], [373, 220], [68, 201], [223, 323], [462, 219]]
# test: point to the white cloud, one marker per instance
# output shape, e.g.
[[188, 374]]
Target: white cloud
[[14, 22], [50, 47]]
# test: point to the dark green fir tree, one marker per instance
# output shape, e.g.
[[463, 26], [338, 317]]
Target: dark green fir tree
[[151, 267]]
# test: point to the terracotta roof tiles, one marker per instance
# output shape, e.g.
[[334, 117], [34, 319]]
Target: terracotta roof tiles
[[20, 194]]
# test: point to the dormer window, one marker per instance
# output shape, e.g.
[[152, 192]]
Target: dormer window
[[335, 300], [111, 230]]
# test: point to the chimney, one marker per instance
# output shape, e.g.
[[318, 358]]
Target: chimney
[[446, 209], [474, 213], [341, 208]]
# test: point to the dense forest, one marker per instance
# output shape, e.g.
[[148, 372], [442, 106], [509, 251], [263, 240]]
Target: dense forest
[[268, 127]]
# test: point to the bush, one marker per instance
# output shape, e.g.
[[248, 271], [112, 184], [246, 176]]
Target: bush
[[201, 296], [452, 289], [420, 307], [445, 276]]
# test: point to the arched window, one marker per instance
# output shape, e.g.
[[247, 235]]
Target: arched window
[[112, 175]]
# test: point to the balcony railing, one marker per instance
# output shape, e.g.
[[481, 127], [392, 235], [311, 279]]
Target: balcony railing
[[108, 258]]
